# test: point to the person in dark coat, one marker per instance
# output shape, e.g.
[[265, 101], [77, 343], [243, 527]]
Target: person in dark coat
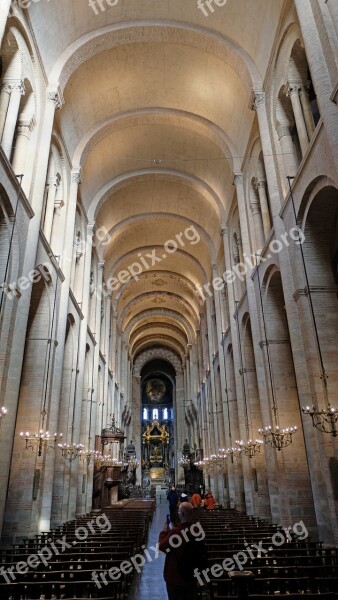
[[172, 498], [178, 588]]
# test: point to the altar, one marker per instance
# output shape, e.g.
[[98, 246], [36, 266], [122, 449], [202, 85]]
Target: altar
[[155, 452]]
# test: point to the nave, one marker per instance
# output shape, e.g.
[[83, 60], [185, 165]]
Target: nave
[[248, 559]]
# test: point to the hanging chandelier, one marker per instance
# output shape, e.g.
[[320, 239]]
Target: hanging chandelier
[[199, 464], [41, 441], [89, 455], [278, 438], [106, 460], [133, 464], [184, 462], [70, 451], [324, 420], [251, 447], [231, 453]]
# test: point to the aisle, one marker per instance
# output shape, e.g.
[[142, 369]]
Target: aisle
[[149, 585]]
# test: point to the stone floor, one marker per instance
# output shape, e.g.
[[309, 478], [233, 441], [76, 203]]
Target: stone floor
[[149, 585]]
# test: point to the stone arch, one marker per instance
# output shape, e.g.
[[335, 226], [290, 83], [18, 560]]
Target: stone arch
[[148, 355]]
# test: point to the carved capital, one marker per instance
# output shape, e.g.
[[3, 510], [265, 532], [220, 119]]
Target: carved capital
[[260, 184], [26, 127], [293, 89], [238, 179], [77, 176], [13, 85], [224, 231], [257, 99], [56, 97]]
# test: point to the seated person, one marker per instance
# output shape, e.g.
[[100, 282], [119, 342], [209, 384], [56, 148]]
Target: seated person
[[209, 501], [196, 500]]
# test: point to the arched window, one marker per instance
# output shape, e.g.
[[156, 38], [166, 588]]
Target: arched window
[[145, 414], [155, 414], [165, 414]]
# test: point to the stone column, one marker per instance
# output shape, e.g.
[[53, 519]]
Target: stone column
[[17, 90], [53, 184], [24, 132], [258, 223], [243, 466], [288, 150], [263, 199], [4, 14], [333, 10], [5, 96], [188, 373], [319, 70], [97, 332], [107, 324], [62, 505], [136, 422], [238, 181], [179, 425], [194, 370], [81, 407], [293, 92], [211, 405], [307, 112], [258, 104], [219, 347]]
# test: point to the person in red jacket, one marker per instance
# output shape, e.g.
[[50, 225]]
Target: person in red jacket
[[178, 588], [209, 501]]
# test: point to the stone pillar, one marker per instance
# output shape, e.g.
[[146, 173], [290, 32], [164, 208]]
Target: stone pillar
[[238, 181], [97, 334], [4, 14], [293, 92], [188, 374], [81, 416], [136, 423], [179, 426], [17, 90], [333, 10], [258, 223], [307, 112], [263, 199], [258, 104], [53, 184], [5, 96], [24, 132], [319, 70], [63, 508], [107, 324], [288, 150]]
